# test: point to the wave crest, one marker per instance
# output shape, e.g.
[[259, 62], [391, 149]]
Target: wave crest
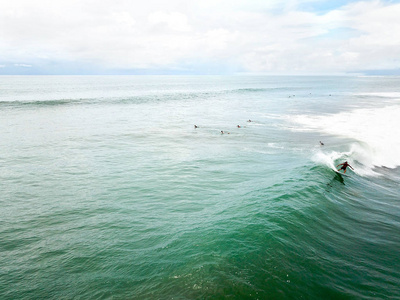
[[375, 130]]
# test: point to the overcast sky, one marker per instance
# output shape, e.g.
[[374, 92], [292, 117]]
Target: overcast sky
[[199, 36]]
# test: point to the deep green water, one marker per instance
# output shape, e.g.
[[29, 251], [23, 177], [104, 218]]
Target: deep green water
[[109, 192]]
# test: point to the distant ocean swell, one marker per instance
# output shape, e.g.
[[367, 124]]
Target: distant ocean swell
[[135, 99]]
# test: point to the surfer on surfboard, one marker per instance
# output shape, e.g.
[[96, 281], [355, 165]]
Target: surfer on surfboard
[[344, 166]]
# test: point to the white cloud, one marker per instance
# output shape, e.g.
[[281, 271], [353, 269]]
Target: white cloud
[[258, 36], [174, 20], [23, 65]]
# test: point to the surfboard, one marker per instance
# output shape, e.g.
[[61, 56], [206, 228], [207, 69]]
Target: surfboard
[[337, 172]]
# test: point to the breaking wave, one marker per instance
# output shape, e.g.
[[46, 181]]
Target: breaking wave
[[375, 133]]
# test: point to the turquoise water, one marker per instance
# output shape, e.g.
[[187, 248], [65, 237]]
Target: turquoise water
[[109, 192]]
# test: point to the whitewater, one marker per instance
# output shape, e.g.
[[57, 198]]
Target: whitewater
[[110, 191], [375, 133]]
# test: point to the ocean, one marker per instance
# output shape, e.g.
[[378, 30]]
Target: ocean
[[108, 191]]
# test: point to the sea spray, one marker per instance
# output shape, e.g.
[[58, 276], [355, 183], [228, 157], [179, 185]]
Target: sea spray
[[327, 159], [357, 158], [375, 132]]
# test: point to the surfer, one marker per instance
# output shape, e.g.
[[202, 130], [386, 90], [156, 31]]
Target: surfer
[[321, 143], [344, 166]]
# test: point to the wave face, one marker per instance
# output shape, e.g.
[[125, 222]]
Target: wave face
[[109, 190], [375, 133]]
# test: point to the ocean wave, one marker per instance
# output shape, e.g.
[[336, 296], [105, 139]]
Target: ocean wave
[[13, 103], [268, 89], [331, 159], [375, 132], [253, 90], [163, 96], [134, 99], [381, 94]]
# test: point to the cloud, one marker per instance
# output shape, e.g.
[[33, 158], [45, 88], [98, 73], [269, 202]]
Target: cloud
[[296, 36], [23, 65], [174, 21]]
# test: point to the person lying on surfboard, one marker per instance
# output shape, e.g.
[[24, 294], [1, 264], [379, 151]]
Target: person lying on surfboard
[[344, 166]]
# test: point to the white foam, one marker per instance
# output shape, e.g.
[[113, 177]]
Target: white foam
[[352, 156], [327, 159], [275, 145], [376, 130]]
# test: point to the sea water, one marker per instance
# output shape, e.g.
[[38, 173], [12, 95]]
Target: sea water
[[108, 191]]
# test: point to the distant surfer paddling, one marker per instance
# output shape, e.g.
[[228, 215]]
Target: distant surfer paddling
[[344, 166]]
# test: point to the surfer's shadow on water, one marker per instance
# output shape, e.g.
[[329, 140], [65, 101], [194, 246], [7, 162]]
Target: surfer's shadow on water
[[337, 178]]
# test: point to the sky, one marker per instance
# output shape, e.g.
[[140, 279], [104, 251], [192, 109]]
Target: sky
[[292, 37]]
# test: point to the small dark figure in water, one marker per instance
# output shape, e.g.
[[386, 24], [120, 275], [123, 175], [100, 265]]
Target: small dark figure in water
[[321, 143], [238, 126], [344, 166], [222, 132], [249, 120], [195, 126]]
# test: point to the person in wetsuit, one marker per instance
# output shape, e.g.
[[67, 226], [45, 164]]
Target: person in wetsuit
[[344, 166]]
